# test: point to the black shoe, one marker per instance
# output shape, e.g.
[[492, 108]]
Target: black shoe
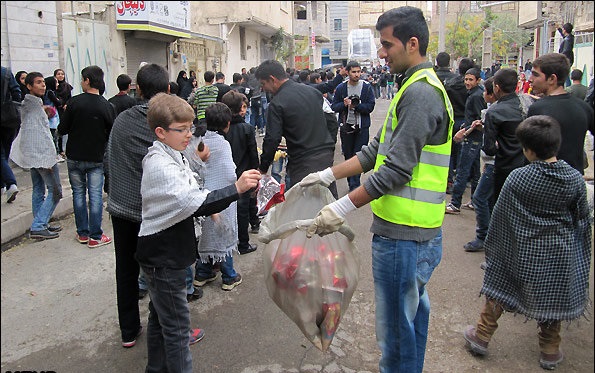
[[248, 249], [43, 234], [55, 228], [255, 228], [143, 293], [200, 281], [198, 294]]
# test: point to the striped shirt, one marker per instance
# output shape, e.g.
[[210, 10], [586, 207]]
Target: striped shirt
[[205, 96]]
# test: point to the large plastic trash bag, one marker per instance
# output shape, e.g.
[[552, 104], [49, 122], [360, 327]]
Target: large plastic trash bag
[[311, 280]]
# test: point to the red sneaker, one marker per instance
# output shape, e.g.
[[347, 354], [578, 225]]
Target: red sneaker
[[104, 240], [82, 239], [196, 335]]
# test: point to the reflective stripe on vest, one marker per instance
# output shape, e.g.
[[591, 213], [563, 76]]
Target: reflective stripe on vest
[[420, 202]]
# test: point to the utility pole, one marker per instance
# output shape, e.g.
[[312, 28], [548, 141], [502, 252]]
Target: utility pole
[[442, 11], [311, 35]]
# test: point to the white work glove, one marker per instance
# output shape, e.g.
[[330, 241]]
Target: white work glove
[[331, 217], [324, 178]]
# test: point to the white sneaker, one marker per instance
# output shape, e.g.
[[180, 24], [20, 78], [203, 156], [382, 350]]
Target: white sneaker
[[11, 193], [59, 159], [2, 191]]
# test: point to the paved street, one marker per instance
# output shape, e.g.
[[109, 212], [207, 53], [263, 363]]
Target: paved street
[[59, 310]]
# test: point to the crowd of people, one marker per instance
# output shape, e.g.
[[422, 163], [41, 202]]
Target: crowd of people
[[184, 201]]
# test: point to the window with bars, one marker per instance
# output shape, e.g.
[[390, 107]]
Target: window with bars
[[337, 24], [337, 46]]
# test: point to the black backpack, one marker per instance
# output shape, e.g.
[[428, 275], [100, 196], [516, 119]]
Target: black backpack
[[457, 92]]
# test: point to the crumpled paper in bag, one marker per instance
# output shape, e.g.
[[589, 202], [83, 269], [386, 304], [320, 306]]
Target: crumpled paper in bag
[[311, 280]]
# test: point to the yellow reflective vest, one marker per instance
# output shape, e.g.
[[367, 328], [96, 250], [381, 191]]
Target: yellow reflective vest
[[420, 202]]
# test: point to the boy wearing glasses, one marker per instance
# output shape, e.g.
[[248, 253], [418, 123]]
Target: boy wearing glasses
[[171, 198]]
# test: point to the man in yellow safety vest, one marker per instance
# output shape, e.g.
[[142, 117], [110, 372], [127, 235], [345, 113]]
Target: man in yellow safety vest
[[406, 191]]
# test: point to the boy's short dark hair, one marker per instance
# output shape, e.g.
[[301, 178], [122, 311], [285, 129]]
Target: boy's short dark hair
[[165, 109], [576, 74], [218, 116], [540, 134], [30, 78], [234, 99], [568, 27], [123, 81], [473, 71], [506, 79], [465, 64], [553, 63], [219, 75], [95, 75], [488, 86], [209, 76]]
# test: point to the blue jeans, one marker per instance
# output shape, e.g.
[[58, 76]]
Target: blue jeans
[[390, 93], [6, 138], [468, 168], [168, 327], [43, 206], [276, 169], [87, 178], [482, 200], [350, 145], [205, 270], [189, 277], [401, 270]]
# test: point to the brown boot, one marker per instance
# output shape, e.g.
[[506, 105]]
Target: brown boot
[[475, 344]]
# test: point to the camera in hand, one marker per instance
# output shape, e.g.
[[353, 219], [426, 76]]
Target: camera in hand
[[355, 99]]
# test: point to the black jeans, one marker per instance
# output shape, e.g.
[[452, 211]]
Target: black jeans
[[126, 233], [247, 214]]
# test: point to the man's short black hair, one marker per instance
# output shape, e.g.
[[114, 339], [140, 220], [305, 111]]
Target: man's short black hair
[[576, 74], [407, 22], [209, 76], [270, 68], [218, 115], [352, 64], [219, 75], [443, 59], [568, 27], [540, 134], [553, 63], [465, 64], [303, 76], [123, 81], [152, 79], [236, 78]]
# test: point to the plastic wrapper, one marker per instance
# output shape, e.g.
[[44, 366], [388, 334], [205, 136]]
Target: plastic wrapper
[[311, 280], [269, 193]]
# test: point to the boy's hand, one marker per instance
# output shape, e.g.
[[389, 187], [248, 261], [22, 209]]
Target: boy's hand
[[459, 135], [205, 153], [248, 180]]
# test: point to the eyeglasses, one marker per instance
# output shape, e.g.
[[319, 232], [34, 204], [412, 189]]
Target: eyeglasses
[[182, 130]]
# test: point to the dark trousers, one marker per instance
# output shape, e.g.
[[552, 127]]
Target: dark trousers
[[455, 147], [351, 144], [313, 163], [127, 274], [168, 328], [7, 136], [247, 214]]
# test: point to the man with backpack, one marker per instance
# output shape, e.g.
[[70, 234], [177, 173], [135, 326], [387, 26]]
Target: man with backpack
[[11, 121]]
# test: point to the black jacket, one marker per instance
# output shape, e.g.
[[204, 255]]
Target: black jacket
[[500, 123], [296, 112], [241, 137]]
